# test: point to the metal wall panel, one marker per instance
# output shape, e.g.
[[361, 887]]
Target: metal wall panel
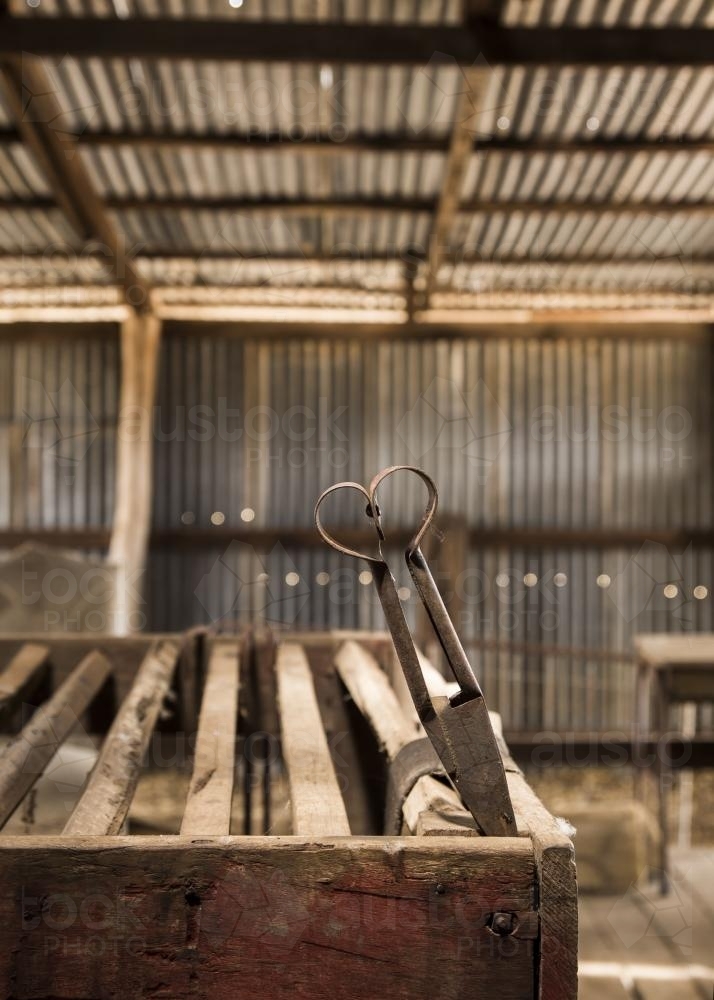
[[579, 433], [58, 414], [576, 432], [589, 434]]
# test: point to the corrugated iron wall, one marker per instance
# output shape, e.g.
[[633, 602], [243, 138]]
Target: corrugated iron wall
[[586, 438], [580, 435], [58, 415]]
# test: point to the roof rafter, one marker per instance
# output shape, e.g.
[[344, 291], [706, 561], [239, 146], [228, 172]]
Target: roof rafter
[[357, 44], [452, 181], [57, 157]]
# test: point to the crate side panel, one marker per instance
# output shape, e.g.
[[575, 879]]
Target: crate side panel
[[160, 917]]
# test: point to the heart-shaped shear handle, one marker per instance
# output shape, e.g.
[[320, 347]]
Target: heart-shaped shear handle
[[330, 539], [431, 504]]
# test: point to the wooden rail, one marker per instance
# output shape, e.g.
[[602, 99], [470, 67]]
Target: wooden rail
[[22, 674], [29, 753], [208, 805], [318, 808], [431, 808], [104, 805]]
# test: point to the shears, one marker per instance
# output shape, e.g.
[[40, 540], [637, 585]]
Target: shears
[[459, 726]]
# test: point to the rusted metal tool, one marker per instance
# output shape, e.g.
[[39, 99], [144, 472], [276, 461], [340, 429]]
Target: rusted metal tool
[[459, 727]]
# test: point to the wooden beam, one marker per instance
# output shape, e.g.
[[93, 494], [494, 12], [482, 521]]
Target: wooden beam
[[28, 754], [208, 805], [318, 808], [389, 142], [140, 340], [488, 10], [105, 801], [488, 316], [285, 207], [57, 157], [264, 538], [22, 675], [535, 257], [445, 209], [452, 181], [59, 200], [354, 43]]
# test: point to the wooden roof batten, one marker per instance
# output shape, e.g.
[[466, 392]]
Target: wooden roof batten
[[355, 43], [324, 144]]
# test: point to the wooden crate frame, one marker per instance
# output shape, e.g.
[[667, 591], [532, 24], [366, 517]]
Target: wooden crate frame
[[437, 912]]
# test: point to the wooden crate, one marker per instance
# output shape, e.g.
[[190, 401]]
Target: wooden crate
[[334, 908]]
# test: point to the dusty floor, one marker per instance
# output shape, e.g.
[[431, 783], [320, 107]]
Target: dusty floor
[[642, 945]]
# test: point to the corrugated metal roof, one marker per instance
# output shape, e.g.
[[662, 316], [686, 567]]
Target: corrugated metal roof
[[632, 13], [406, 11], [25, 230], [19, 177], [532, 104], [222, 98]]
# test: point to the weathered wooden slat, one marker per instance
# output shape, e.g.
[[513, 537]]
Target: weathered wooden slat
[[29, 753], [318, 808], [208, 805], [357, 917], [22, 673], [374, 696], [431, 808], [106, 799]]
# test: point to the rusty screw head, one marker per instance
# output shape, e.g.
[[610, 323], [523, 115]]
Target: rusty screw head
[[503, 924]]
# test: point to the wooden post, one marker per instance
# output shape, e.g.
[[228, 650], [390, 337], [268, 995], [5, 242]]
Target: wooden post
[[132, 506]]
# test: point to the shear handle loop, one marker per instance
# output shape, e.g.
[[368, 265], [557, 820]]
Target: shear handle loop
[[431, 504], [426, 587], [330, 539]]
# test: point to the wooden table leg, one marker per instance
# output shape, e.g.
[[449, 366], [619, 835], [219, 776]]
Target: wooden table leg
[[642, 725], [663, 773]]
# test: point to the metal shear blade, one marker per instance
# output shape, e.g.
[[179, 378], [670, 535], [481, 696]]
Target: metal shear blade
[[459, 728]]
